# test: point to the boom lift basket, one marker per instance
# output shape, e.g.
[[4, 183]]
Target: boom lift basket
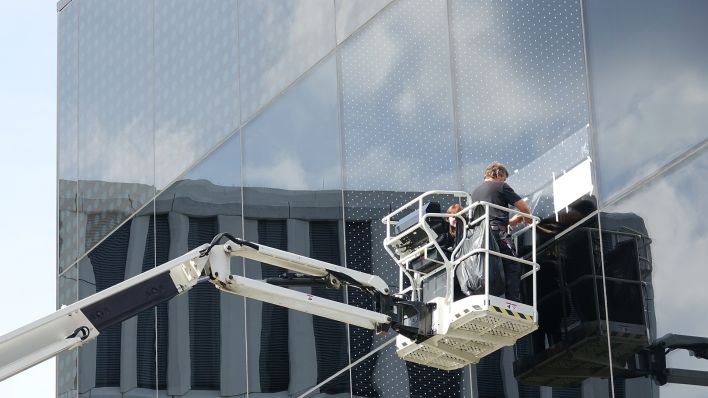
[[463, 330]]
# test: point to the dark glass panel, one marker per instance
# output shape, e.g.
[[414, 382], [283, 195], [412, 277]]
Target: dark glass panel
[[204, 317], [649, 85], [569, 350], [112, 361], [330, 335]]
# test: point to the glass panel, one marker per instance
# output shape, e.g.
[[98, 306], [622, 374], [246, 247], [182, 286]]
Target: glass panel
[[569, 350], [649, 86], [202, 203], [196, 82], [389, 376], [520, 93], [116, 151], [396, 93], [278, 144], [67, 136], [279, 40], [292, 201], [351, 14], [112, 362], [655, 264], [67, 293], [398, 139]]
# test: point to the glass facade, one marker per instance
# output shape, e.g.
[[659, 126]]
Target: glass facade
[[299, 124]]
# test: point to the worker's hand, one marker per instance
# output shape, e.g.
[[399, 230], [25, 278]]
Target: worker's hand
[[515, 220]]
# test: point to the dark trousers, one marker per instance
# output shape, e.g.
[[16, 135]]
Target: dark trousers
[[512, 269]]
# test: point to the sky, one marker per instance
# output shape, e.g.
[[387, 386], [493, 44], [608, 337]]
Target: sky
[[28, 38]]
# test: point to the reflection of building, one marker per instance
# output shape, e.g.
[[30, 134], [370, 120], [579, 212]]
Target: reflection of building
[[300, 124]]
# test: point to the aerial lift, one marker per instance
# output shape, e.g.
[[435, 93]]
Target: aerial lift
[[433, 328], [436, 327]]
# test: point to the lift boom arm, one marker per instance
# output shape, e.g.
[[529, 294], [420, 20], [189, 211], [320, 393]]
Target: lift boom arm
[[80, 322]]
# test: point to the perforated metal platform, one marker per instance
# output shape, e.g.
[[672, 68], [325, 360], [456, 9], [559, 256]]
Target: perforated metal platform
[[469, 330]]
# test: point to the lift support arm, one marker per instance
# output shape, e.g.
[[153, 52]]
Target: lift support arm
[[80, 322]]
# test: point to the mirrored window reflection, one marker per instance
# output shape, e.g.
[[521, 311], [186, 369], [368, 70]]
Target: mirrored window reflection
[[649, 86], [67, 136], [384, 374], [278, 41], [667, 249], [569, 351], [202, 203], [294, 144], [352, 14], [397, 101], [122, 357], [520, 92], [196, 82], [66, 363], [292, 201], [115, 141]]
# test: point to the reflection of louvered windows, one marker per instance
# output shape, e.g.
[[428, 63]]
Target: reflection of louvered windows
[[156, 252], [358, 241], [330, 335], [204, 316], [274, 364], [108, 261]]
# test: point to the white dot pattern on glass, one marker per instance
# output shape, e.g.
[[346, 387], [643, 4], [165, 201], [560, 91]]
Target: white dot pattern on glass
[[115, 92], [67, 136], [196, 82], [397, 111], [278, 41], [68, 80], [67, 293], [520, 84], [116, 151], [351, 14]]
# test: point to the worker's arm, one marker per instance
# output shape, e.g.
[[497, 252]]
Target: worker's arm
[[523, 207]]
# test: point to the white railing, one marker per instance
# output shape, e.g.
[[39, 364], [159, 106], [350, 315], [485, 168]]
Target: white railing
[[393, 242]]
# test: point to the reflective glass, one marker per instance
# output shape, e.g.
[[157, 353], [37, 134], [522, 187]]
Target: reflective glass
[[352, 14], [649, 86], [67, 135], [520, 93], [292, 201], [383, 374], [116, 151], [396, 101], [280, 142], [196, 82], [201, 334], [122, 357], [666, 247], [278, 41], [397, 139], [66, 363]]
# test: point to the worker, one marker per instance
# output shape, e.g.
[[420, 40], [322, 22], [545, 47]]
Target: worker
[[495, 190]]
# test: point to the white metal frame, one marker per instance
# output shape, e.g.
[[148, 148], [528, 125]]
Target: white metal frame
[[473, 327]]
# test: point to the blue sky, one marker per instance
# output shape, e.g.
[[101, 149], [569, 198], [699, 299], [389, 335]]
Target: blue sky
[[28, 38]]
